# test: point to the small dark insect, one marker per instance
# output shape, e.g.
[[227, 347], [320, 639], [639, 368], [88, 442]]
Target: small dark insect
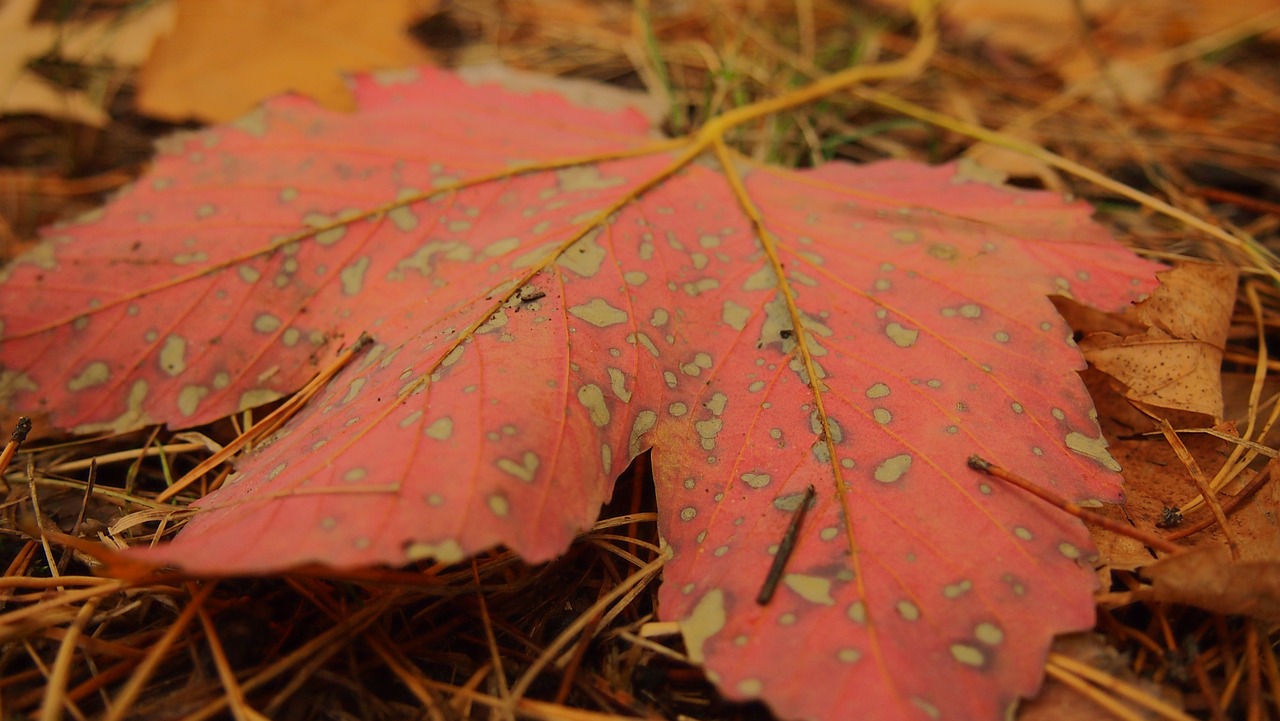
[[786, 333], [784, 549], [528, 294], [1170, 517]]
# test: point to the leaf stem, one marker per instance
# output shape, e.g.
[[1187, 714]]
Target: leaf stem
[[982, 465]]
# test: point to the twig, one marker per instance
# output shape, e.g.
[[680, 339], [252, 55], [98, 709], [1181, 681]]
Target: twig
[[20, 431], [977, 463], [785, 547]]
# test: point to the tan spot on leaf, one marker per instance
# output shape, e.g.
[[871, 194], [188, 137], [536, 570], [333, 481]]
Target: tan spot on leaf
[[499, 505], [1095, 448], [944, 251], [877, 391], [704, 622], [750, 687], [848, 655], [968, 655], [266, 323], [352, 276], [901, 336], [813, 589], [756, 480], [929, 709], [524, 470], [403, 218], [599, 313], [718, 401], [592, 398], [618, 383], [908, 610], [447, 551], [585, 256], [94, 374], [735, 316], [189, 399], [173, 355], [501, 247], [441, 429], [988, 633], [645, 421], [857, 612], [892, 469], [762, 279]]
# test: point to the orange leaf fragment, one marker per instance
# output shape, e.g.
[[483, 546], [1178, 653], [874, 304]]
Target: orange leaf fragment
[[223, 57]]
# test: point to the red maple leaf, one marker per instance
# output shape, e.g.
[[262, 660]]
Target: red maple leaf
[[549, 293]]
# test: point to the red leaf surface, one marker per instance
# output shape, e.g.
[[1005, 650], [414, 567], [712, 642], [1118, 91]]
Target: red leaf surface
[[535, 331]]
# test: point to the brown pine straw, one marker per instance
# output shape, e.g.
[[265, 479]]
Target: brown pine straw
[[271, 423], [240, 708], [1202, 484], [977, 463], [1253, 486], [1093, 685]]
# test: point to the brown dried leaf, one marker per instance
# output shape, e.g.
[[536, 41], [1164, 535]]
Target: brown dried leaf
[[124, 41], [1209, 579], [1172, 354]]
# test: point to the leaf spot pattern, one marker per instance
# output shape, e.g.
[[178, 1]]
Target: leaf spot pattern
[[857, 612], [94, 374], [705, 621], [893, 469], [1095, 448], [901, 336], [499, 505], [968, 655], [927, 708], [592, 398], [523, 470], [957, 589], [189, 399], [447, 551], [988, 633], [266, 323], [813, 589], [440, 429], [173, 355]]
